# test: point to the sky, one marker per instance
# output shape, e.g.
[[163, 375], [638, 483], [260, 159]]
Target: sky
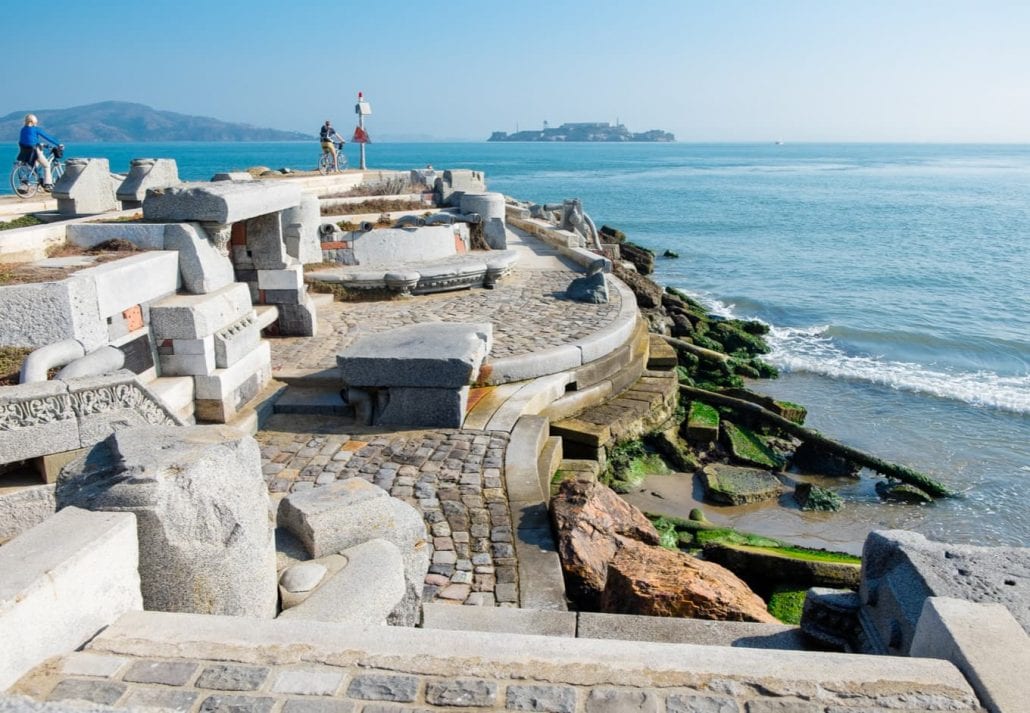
[[719, 70]]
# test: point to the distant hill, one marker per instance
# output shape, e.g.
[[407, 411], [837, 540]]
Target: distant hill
[[113, 121]]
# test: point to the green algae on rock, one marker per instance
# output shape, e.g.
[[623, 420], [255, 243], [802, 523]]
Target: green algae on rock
[[735, 485], [746, 446], [702, 422], [812, 497]]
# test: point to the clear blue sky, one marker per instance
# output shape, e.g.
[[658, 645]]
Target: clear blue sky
[[719, 70]]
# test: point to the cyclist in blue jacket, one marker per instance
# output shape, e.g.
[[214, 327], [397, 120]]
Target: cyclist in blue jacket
[[30, 151]]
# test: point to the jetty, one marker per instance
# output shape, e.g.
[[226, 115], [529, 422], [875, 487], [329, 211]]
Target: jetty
[[288, 442]]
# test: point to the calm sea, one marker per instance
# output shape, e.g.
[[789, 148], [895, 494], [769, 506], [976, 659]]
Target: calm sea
[[896, 279]]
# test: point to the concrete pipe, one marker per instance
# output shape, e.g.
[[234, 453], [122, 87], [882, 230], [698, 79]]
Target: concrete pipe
[[39, 362], [99, 361]]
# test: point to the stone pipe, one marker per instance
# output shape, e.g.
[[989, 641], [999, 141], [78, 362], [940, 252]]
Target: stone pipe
[[411, 221], [99, 361], [451, 219], [42, 360]]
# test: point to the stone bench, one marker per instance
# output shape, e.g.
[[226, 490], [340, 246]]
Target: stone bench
[[418, 375], [479, 269]]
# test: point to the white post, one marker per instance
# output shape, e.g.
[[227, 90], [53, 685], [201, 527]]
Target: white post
[[362, 108]]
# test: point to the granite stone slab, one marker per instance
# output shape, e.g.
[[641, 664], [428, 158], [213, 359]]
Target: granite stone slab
[[445, 355]]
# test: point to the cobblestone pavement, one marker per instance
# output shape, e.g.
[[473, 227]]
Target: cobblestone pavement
[[528, 310], [192, 685], [454, 478]]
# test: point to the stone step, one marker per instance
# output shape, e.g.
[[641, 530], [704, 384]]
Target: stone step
[[313, 401], [519, 669], [621, 627], [662, 355]]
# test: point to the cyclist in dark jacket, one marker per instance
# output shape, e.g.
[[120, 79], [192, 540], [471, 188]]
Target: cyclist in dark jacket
[[30, 151], [331, 141]]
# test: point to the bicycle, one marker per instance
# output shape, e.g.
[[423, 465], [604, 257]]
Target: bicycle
[[26, 178], [325, 161]]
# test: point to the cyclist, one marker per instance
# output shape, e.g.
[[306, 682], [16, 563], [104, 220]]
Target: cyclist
[[30, 152], [331, 142]]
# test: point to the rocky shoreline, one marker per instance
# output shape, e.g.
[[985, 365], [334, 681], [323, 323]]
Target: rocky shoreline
[[740, 446]]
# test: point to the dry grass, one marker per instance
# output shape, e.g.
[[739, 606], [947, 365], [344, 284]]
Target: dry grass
[[26, 273], [374, 206], [11, 359]]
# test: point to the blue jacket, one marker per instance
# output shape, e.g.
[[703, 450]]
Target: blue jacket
[[30, 136]]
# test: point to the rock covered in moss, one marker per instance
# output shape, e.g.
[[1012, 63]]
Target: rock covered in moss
[[745, 446], [812, 497], [810, 458], [902, 492], [702, 422], [734, 485]]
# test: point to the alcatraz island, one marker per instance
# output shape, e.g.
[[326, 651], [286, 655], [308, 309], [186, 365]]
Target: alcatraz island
[[586, 131]]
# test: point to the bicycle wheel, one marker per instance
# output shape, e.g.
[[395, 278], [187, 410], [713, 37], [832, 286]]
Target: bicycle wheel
[[56, 170], [24, 181], [325, 163], [341, 161]]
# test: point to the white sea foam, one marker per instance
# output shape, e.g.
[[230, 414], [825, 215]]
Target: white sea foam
[[812, 350]]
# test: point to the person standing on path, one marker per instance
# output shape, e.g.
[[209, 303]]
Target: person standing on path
[[29, 150]]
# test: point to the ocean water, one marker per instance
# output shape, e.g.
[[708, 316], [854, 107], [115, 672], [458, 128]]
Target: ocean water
[[895, 278]]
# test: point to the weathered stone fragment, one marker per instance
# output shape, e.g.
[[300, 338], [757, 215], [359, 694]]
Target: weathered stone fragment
[[735, 485], [590, 521], [812, 497], [346, 513], [659, 582], [205, 538], [592, 289]]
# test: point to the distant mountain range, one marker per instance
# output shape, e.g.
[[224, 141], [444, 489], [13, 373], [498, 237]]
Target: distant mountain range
[[116, 122], [588, 131]]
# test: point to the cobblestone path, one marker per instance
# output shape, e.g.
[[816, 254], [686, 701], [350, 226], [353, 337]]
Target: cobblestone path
[[454, 478], [189, 685], [528, 310]]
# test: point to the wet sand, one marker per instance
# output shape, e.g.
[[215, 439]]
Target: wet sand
[[843, 531]]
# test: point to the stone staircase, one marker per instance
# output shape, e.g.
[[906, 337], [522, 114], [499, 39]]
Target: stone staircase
[[642, 396]]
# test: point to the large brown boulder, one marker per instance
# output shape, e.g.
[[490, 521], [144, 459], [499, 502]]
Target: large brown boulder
[[590, 520], [648, 294], [655, 581]]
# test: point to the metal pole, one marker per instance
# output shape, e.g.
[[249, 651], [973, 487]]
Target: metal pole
[[361, 123]]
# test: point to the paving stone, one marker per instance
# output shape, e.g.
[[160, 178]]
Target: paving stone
[[168, 673], [693, 703], [390, 708], [381, 687], [308, 683], [551, 699], [462, 692], [89, 664], [319, 705], [102, 692], [237, 704], [618, 700], [167, 699], [230, 677], [783, 705]]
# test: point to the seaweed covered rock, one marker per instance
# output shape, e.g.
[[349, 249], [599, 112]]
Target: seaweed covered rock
[[811, 497], [734, 485], [702, 422], [810, 458], [655, 581], [745, 446], [902, 492]]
